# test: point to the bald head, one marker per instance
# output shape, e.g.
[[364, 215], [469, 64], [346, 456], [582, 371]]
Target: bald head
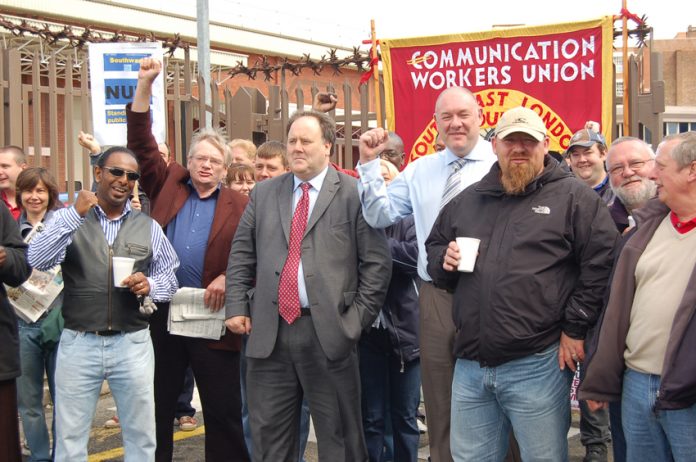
[[454, 92], [394, 150], [458, 118]]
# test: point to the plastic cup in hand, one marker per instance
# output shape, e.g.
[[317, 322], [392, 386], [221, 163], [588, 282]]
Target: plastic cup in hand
[[468, 251], [123, 267]]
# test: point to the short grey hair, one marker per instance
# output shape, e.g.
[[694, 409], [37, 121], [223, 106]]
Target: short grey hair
[[683, 153], [647, 149], [214, 137]]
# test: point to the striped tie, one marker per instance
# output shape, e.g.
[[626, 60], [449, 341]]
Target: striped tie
[[453, 181]]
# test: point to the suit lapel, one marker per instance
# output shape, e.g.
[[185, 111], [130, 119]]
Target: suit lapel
[[285, 204], [326, 195], [222, 212]]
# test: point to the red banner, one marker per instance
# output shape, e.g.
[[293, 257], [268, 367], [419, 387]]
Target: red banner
[[562, 71]]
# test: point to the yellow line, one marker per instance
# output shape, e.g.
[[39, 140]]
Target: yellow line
[[118, 452], [106, 455], [183, 435]]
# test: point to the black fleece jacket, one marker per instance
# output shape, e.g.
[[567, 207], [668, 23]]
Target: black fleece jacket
[[544, 261]]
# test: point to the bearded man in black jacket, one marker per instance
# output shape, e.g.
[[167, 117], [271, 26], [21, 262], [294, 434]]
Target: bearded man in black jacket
[[545, 255]]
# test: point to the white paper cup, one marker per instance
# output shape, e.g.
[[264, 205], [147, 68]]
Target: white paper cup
[[468, 251], [123, 267]]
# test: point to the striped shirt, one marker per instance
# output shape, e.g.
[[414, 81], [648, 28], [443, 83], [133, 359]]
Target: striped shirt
[[48, 249]]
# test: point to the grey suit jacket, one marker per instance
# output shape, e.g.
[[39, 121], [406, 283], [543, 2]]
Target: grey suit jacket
[[347, 265]]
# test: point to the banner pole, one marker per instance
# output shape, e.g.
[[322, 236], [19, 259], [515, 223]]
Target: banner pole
[[375, 73], [624, 35]]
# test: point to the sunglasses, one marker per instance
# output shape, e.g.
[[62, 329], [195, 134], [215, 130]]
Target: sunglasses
[[119, 172]]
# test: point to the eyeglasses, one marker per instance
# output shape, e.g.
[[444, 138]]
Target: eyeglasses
[[119, 172], [390, 153], [203, 159], [636, 165]]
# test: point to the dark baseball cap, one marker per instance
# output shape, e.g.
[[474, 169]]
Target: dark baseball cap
[[585, 138]]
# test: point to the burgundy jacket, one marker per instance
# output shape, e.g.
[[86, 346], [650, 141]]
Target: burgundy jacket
[[167, 188]]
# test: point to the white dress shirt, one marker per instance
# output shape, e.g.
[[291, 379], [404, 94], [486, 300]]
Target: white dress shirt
[[316, 184]]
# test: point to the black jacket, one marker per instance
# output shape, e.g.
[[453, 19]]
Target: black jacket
[[13, 272], [544, 260], [401, 305], [619, 214], [605, 191]]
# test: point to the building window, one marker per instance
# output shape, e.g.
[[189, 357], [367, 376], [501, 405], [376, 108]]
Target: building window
[[647, 134], [671, 128], [619, 89]]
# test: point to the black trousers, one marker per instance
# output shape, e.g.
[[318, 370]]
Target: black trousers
[[217, 376], [9, 427]]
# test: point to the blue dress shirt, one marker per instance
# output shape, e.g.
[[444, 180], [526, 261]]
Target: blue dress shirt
[[418, 191], [189, 232]]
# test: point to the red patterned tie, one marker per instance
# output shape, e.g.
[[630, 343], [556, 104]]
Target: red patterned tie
[[288, 295]]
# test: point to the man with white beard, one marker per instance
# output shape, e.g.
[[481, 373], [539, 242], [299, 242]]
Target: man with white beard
[[629, 162]]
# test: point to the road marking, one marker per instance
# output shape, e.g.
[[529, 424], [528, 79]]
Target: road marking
[[118, 452], [181, 435]]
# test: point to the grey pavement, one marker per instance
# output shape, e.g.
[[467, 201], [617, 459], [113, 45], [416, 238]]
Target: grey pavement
[[106, 445]]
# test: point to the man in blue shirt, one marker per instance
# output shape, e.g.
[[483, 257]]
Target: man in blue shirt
[[586, 154], [200, 218], [421, 190]]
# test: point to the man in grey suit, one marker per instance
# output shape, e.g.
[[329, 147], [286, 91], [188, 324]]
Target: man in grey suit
[[306, 274]]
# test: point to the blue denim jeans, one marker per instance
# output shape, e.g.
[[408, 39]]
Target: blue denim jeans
[[530, 395], [388, 394], [618, 441], [652, 435], [36, 360], [126, 362]]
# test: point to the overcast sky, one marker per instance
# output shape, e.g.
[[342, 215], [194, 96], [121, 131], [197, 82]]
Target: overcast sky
[[347, 22]]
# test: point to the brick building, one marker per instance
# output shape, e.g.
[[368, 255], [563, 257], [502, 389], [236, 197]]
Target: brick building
[[679, 74]]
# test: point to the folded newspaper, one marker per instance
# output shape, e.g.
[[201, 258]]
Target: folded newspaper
[[188, 316], [31, 299]]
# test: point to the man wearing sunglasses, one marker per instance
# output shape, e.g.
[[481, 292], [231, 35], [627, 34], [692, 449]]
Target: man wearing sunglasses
[[200, 219], [106, 333]]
